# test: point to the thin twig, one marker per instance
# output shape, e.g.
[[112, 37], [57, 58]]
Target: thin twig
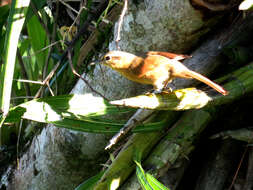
[[82, 6], [77, 18], [237, 171], [110, 160], [45, 68], [29, 81], [85, 26], [89, 44], [46, 80], [22, 97], [43, 49], [139, 116], [50, 75], [120, 23], [50, 90], [83, 79], [249, 176], [69, 7], [18, 140], [81, 32]]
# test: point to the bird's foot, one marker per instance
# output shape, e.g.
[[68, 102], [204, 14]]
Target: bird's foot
[[159, 91]]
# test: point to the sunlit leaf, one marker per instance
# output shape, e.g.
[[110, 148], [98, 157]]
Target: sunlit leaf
[[156, 185], [147, 181], [89, 183], [246, 5], [142, 177], [181, 99], [79, 112]]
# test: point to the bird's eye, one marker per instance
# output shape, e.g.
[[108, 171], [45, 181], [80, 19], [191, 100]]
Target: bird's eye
[[107, 58]]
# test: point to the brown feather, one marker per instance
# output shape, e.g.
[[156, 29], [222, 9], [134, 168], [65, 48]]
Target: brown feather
[[169, 55], [197, 76]]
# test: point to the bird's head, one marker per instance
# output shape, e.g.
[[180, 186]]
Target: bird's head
[[118, 59]]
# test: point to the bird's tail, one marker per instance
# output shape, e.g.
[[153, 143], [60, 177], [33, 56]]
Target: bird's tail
[[207, 81]]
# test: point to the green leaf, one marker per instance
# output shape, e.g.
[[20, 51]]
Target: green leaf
[[155, 183], [140, 172], [29, 62], [15, 23], [38, 4], [38, 38], [147, 181], [142, 177], [89, 183], [180, 99], [78, 112], [4, 11]]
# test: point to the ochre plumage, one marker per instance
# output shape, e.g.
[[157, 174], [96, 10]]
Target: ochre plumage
[[155, 68]]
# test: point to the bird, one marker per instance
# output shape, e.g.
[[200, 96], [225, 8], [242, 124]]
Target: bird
[[154, 68]]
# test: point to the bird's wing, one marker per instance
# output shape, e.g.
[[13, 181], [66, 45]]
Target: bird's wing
[[169, 55], [153, 64]]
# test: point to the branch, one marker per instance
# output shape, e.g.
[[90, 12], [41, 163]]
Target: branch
[[120, 22]]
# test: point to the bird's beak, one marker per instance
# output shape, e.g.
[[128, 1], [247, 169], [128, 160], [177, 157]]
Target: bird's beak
[[95, 62]]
